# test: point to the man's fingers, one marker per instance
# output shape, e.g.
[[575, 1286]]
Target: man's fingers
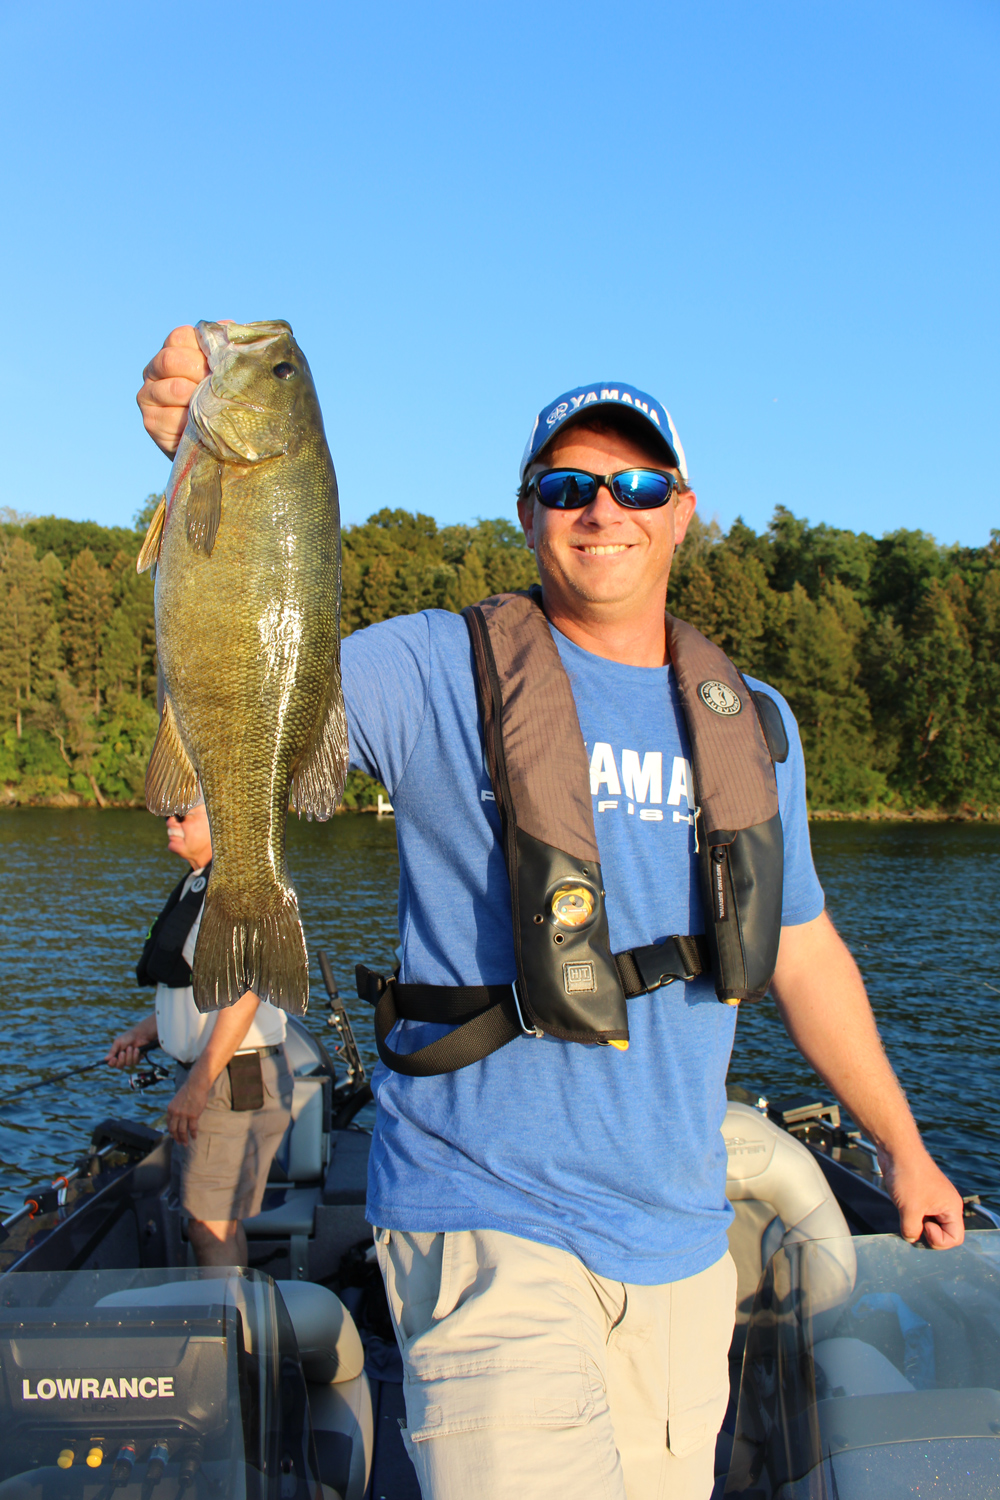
[[182, 337], [190, 364], [944, 1230], [168, 383]]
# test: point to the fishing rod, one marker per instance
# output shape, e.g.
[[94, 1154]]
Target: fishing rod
[[341, 1023], [61, 1077]]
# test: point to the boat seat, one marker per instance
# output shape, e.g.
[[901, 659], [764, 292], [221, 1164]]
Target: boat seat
[[339, 1396], [305, 1146], [780, 1197], [294, 1215]]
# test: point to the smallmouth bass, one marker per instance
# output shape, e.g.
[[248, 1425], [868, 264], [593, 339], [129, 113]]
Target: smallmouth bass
[[246, 552]]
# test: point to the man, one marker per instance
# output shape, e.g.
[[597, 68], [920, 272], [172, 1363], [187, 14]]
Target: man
[[551, 1219], [234, 1086]]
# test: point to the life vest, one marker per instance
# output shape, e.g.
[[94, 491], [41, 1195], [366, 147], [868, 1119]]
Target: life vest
[[569, 984], [162, 960]]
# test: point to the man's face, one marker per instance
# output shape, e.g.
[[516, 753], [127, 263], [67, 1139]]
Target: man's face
[[603, 561], [190, 836]]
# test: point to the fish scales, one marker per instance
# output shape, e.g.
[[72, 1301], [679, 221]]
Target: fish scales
[[247, 591]]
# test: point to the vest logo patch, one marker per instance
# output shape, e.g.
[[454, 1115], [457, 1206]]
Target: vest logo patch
[[579, 979], [720, 698], [198, 884]]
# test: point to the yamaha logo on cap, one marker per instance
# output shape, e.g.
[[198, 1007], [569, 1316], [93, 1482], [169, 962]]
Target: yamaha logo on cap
[[720, 698], [603, 393]]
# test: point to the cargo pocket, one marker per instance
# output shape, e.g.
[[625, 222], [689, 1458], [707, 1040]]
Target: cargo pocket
[[692, 1427], [491, 1396]]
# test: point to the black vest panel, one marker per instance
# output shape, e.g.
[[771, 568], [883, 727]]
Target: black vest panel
[[162, 961]]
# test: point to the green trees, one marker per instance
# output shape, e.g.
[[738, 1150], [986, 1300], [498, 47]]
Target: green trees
[[29, 635], [888, 649]]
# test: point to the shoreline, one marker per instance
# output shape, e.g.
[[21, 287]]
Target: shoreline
[[966, 813]]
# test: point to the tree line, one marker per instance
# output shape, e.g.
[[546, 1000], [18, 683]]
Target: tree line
[[888, 649]]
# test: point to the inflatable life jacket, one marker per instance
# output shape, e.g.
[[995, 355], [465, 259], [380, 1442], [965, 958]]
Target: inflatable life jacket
[[162, 960], [569, 984]]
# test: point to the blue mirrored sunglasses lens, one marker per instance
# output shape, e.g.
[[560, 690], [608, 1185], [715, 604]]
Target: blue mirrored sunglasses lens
[[641, 489], [565, 489]]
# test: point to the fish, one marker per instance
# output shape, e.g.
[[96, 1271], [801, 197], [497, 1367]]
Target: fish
[[245, 555]]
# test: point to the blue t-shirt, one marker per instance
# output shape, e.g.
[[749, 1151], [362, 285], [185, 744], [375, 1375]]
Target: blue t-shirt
[[615, 1156]]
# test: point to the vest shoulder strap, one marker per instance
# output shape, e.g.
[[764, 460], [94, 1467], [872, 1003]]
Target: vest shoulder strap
[[733, 767]]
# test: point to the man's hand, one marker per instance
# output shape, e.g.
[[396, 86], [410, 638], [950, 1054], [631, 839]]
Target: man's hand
[[185, 1108], [228, 1033], [126, 1050], [929, 1206], [168, 383]]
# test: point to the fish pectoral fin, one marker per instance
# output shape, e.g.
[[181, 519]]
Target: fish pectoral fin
[[318, 779], [204, 504], [171, 779], [149, 552]]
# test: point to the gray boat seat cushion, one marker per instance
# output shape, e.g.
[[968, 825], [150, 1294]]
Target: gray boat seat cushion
[[295, 1215], [302, 1155], [780, 1197], [329, 1343], [345, 1435]]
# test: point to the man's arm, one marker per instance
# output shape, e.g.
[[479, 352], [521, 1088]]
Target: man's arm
[[228, 1033], [822, 1000]]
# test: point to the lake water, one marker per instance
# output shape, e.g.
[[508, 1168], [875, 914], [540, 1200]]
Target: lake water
[[80, 888]]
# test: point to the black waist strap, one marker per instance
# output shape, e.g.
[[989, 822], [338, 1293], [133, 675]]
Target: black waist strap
[[486, 1017]]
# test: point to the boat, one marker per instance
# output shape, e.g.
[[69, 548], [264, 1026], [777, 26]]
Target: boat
[[860, 1365]]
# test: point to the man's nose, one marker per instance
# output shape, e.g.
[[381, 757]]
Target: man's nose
[[604, 507]]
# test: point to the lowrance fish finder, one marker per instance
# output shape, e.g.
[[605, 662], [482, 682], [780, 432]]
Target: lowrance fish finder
[[114, 1382]]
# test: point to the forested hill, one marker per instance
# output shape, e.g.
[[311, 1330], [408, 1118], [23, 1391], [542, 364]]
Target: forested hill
[[888, 649]]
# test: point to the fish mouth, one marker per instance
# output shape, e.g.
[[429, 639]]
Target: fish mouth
[[221, 343], [215, 339]]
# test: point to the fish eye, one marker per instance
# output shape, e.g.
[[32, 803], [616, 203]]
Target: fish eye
[[284, 371]]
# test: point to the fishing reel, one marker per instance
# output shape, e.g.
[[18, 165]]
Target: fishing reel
[[145, 1078]]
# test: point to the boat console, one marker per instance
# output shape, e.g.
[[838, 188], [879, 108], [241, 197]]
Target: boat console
[[115, 1383]]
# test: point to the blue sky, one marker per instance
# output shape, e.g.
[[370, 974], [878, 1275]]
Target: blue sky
[[781, 219]]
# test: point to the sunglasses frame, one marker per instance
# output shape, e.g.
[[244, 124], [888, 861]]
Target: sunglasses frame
[[607, 481]]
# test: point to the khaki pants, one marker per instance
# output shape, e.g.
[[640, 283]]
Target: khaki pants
[[527, 1377], [222, 1174]]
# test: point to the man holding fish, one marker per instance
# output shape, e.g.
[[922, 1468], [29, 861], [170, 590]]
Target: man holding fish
[[551, 1219]]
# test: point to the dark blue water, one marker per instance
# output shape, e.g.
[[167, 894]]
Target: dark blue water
[[916, 904]]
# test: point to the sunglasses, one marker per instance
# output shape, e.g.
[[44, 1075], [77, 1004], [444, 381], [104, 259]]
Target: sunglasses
[[572, 489]]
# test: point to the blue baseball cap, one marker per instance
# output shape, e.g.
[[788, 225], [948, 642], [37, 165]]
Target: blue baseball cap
[[585, 398]]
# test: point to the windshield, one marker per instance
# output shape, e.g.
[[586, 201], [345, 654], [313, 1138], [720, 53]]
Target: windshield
[[137, 1385], [872, 1368]]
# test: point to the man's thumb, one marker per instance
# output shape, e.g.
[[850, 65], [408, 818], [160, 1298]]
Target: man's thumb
[[911, 1225]]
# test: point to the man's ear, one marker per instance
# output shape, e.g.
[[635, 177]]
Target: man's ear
[[526, 516], [683, 511]]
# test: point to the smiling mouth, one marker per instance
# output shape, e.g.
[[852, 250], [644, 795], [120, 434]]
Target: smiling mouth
[[607, 551]]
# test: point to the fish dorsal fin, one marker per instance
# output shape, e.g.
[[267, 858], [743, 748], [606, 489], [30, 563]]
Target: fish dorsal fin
[[171, 779], [318, 779], [150, 549], [204, 503]]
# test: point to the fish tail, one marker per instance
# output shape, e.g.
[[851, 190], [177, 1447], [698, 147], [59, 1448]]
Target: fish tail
[[239, 951]]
